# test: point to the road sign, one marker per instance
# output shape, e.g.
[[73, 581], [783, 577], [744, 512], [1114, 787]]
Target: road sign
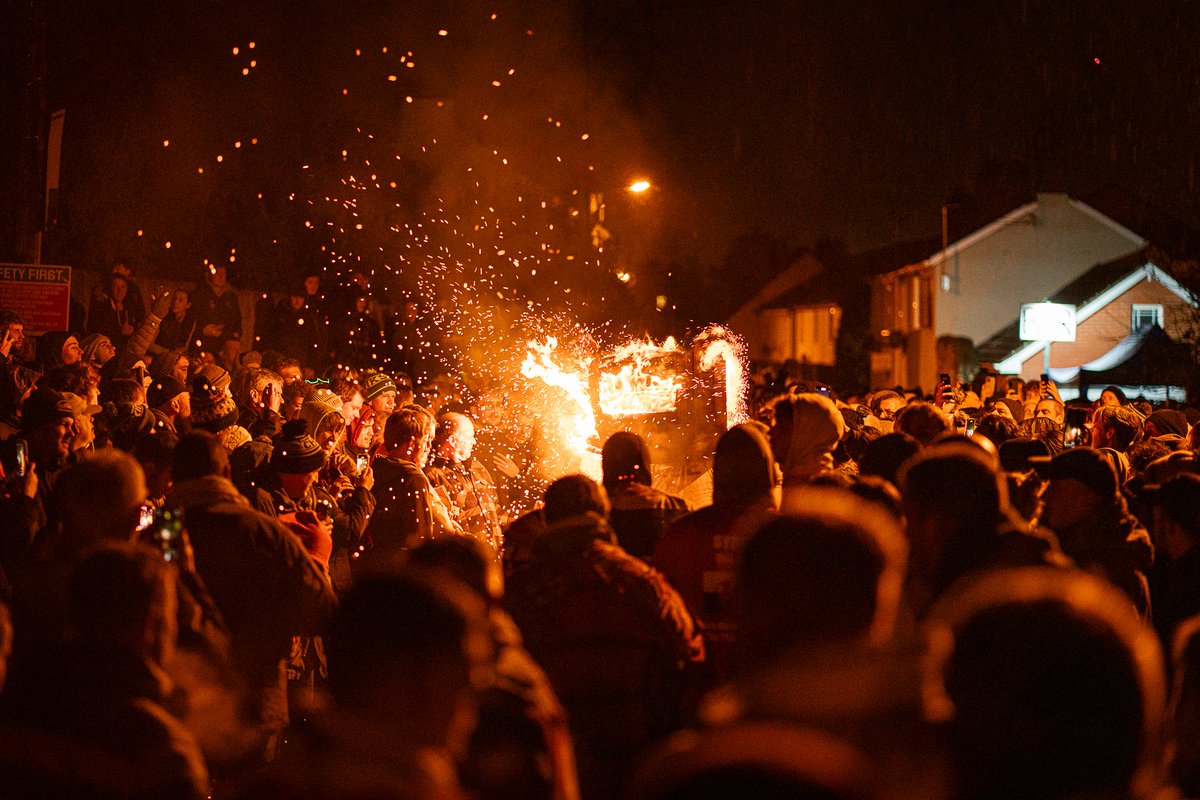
[[1047, 322], [39, 293]]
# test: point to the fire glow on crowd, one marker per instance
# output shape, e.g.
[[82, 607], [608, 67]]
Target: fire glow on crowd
[[481, 251]]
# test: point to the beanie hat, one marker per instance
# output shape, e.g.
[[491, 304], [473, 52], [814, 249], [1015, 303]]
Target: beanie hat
[[165, 364], [296, 452], [376, 384], [318, 406], [164, 390], [91, 343], [216, 376], [212, 409], [233, 437]]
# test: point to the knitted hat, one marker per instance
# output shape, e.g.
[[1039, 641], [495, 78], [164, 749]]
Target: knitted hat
[[233, 437], [165, 364], [91, 343], [212, 409], [320, 405], [164, 390], [215, 375], [376, 384], [296, 452]]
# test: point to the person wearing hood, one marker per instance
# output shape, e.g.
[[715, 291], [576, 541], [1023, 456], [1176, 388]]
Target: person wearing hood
[[1083, 504], [698, 551], [169, 397], [807, 430], [640, 513], [611, 633], [342, 481], [58, 349]]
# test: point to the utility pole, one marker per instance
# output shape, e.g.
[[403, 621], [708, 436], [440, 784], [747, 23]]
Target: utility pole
[[30, 202]]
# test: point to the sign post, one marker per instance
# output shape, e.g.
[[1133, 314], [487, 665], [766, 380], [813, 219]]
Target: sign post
[[39, 293], [1047, 322]]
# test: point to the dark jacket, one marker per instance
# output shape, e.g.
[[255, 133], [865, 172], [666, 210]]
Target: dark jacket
[[214, 309], [263, 582], [640, 515], [93, 721], [1112, 543], [403, 514], [614, 638]]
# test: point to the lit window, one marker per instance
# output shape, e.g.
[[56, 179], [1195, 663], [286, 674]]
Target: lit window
[[1142, 315]]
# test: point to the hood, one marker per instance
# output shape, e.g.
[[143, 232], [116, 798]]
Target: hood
[[817, 427], [743, 467], [49, 349]]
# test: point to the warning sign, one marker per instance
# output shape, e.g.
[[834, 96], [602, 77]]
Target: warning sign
[[39, 293]]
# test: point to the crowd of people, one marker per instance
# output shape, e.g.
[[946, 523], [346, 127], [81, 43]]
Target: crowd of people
[[281, 575]]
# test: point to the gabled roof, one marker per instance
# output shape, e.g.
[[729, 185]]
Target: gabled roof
[[844, 275], [1089, 293], [1018, 214]]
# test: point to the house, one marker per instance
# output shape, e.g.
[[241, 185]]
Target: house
[[1120, 305], [810, 314], [928, 316]]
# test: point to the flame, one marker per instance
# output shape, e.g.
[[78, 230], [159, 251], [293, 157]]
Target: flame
[[539, 364], [638, 386], [718, 343]]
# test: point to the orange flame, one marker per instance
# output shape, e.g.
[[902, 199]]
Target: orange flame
[[718, 343], [539, 364], [637, 387]]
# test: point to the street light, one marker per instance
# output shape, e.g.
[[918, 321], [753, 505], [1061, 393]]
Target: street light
[[639, 186]]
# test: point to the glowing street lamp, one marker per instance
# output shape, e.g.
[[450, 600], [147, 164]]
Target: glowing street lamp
[[637, 187]]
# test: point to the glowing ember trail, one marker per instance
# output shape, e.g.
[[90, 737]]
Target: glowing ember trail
[[718, 343], [636, 387]]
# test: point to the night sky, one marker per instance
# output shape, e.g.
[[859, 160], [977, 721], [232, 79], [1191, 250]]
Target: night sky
[[794, 122]]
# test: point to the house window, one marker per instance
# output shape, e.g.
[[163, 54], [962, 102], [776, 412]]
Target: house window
[[1145, 314]]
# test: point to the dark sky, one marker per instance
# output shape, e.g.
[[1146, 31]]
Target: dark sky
[[800, 120]]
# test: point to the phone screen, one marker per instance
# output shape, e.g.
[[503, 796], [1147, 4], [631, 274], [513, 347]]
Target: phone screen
[[1075, 428]]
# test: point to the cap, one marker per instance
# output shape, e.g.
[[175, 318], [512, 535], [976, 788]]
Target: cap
[[1090, 467], [80, 406], [1016, 455], [1179, 499], [1166, 421], [42, 407]]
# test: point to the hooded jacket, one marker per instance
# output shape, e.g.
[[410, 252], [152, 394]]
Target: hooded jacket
[[817, 427]]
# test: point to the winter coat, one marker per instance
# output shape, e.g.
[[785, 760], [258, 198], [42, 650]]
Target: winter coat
[[261, 579]]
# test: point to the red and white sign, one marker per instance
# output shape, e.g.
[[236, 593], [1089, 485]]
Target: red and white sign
[[39, 293]]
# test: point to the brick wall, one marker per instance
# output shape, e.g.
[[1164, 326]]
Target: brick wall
[[1101, 332]]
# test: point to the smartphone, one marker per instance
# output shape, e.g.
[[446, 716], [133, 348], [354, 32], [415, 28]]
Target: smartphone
[[268, 395], [145, 517], [20, 458], [167, 532], [823, 391], [361, 463], [969, 430], [1075, 428], [1045, 378]]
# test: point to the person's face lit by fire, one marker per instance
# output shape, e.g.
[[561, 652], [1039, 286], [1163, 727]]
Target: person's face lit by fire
[[459, 441], [384, 404], [1107, 398], [330, 431], [16, 334], [352, 408], [71, 352], [364, 431], [312, 284], [180, 371], [216, 277]]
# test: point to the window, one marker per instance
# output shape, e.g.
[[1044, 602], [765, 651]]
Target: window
[[1145, 314]]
